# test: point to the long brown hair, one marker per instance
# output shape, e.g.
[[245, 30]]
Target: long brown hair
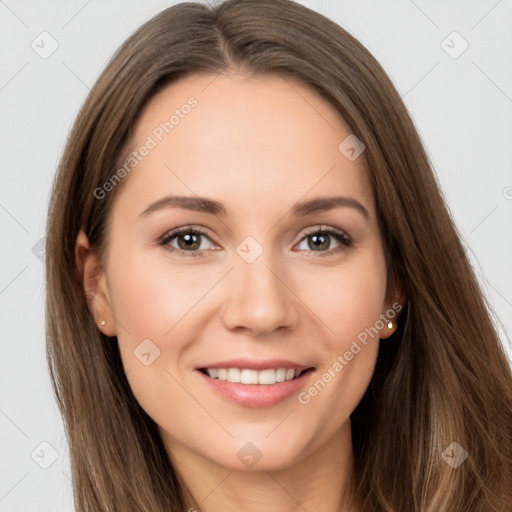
[[442, 377]]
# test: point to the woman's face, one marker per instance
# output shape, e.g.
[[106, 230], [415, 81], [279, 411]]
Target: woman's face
[[264, 285]]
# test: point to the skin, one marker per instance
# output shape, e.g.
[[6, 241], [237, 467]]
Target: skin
[[258, 145]]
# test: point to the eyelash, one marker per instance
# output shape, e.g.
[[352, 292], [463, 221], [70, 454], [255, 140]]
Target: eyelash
[[344, 240]]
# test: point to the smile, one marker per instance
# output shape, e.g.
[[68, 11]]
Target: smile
[[255, 388], [247, 376]]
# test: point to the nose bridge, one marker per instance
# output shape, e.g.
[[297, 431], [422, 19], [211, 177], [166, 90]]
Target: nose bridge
[[257, 298]]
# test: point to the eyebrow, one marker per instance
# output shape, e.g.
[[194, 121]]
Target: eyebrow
[[206, 205]]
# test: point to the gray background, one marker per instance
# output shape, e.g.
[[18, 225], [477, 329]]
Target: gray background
[[462, 106]]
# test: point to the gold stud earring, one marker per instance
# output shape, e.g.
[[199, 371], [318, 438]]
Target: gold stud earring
[[103, 322], [388, 328]]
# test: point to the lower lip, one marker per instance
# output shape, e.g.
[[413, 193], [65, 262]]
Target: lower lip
[[256, 395]]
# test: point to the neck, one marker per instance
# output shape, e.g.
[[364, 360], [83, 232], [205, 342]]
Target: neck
[[320, 481]]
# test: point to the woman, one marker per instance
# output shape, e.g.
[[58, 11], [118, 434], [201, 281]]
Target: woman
[[257, 299]]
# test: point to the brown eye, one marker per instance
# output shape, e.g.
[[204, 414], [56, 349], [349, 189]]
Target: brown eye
[[186, 241], [321, 241], [189, 241]]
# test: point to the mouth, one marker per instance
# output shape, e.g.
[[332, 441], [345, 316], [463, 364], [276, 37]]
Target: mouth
[[266, 377], [255, 384]]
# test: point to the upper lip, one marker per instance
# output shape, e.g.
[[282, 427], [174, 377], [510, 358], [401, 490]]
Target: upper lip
[[253, 364]]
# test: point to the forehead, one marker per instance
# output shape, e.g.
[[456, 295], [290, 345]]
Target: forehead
[[242, 139]]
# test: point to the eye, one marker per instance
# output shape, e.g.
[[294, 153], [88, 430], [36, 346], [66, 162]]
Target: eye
[[320, 240], [188, 240]]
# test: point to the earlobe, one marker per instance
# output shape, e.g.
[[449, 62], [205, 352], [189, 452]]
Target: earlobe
[[92, 278], [391, 315]]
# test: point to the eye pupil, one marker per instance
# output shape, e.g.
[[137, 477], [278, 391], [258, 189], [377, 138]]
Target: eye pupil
[[191, 239]]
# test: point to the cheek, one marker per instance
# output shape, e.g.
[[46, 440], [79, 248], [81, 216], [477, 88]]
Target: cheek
[[150, 296], [148, 302], [159, 306], [351, 300], [351, 311]]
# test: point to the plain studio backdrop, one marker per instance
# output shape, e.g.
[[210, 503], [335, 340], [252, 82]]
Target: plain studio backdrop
[[450, 61]]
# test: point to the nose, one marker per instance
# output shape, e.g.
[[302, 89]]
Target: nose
[[259, 298]]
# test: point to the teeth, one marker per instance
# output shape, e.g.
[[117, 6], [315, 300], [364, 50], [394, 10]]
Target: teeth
[[247, 376], [281, 375], [233, 375]]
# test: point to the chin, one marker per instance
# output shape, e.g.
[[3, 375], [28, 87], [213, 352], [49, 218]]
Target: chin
[[262, 452]]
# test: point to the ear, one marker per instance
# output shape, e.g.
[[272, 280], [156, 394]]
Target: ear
[[94, 282], [394, 303]]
